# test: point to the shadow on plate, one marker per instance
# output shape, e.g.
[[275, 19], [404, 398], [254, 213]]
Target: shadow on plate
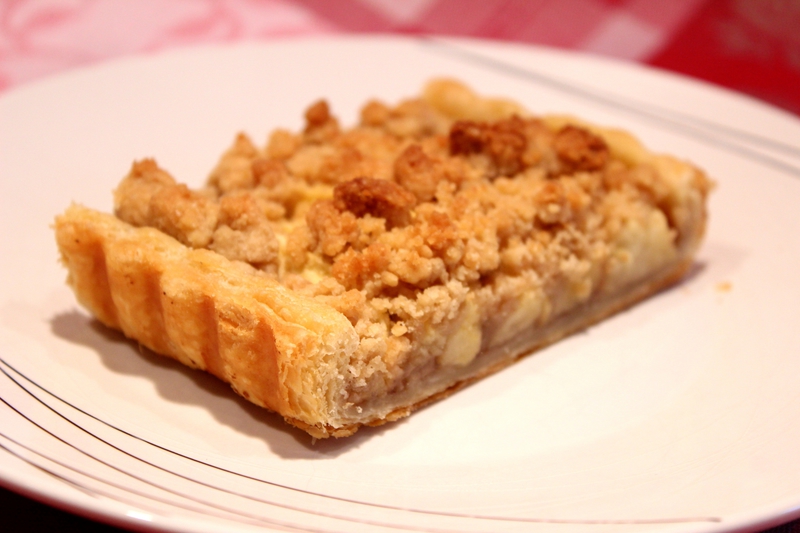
[[179, 384]]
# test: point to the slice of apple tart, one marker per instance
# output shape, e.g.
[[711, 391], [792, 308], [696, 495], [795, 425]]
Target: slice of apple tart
[[345, 277]]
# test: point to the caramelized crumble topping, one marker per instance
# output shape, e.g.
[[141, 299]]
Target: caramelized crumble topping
[[503, 142], [579, 149], [331, 229], [418, 220], [379, 198]]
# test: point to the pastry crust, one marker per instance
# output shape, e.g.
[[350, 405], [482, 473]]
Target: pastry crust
[[346, 278]]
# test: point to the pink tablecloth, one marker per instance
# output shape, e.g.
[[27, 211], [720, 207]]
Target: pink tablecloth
[[751, 46]]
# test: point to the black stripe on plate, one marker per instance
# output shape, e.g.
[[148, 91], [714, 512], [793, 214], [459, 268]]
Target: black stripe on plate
[[344, 518], [238, 514], [93, 492]]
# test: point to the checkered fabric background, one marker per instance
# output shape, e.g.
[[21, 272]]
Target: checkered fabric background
[[752, 46]]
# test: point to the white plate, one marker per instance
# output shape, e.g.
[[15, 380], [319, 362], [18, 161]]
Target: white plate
[[679, 415]]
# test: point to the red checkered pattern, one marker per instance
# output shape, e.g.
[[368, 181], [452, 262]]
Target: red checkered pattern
[[748, 45]]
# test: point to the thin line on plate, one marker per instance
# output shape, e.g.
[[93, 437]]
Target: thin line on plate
[[59, 477], [94, 492], [305, 492], [688, 125], [202, 483], [238, 514]]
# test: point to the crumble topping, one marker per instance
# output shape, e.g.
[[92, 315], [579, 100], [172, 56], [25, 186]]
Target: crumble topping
[[436, 232]]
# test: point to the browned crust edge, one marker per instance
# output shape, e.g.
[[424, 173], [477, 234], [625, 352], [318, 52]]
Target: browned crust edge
[[202, 310]]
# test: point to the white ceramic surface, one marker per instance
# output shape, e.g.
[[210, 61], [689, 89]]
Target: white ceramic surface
[[680, 414]]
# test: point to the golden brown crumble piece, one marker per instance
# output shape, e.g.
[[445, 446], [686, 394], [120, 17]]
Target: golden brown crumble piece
[[244, 232], [579, 149], [321, 126], [149, 196], [374, 113], [417, 172], [331, 228], [379, 198], [186, 215], [132, 197], [509, 143], [234, 168]]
